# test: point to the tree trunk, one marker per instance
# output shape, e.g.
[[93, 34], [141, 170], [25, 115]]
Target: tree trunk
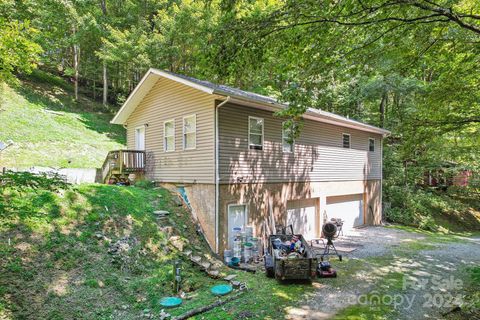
[[2, 89], [76, 63], [103, 5], [383, 103], [105, 84], [76, 58]]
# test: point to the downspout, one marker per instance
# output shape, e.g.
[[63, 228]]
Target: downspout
[[382, 219], [217, 175]]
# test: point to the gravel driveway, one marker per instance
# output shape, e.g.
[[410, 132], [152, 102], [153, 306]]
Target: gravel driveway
[[416, 276]]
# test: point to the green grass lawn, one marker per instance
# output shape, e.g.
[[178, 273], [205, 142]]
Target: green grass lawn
[[53, 264], [75, 134]]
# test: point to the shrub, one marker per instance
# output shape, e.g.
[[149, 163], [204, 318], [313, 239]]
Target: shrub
[[27, 180], [145, 184], [23, 181], [425, 208], [413, 207]]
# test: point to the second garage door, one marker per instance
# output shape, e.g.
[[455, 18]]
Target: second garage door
[[302, 215], [347, 207]]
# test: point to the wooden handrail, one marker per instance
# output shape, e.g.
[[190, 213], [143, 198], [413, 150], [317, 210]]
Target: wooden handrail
[[123, 162]]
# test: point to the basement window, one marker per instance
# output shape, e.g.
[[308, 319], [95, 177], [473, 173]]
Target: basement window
[[190, 132], [346, 140], [169, 136], [371, 144], [255, 133]]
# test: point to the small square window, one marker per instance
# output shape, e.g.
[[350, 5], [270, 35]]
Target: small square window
[[371, 144], [346, 140]]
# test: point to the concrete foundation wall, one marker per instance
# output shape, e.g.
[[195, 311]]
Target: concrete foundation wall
[[202, 201], [70, 175], [267, 202]]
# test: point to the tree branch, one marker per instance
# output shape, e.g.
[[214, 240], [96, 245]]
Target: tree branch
[[422, 19], [464, 121], [448, 13], [360, 17]]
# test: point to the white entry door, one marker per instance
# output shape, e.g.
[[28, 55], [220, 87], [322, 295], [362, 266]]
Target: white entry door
[[140, 138], [237, 217], [302, 215], [347, 207]]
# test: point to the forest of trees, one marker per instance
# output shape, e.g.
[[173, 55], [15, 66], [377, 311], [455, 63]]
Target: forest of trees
[[411, 66]]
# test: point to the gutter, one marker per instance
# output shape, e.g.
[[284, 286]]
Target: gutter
[[217, 175]]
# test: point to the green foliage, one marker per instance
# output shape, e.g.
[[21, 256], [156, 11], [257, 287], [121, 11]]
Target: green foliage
[[475, 275], [25, 180], [408, 66], [430, 210], [57, 266], [20, 182], [145, 184], [40, 76], [18, 51]]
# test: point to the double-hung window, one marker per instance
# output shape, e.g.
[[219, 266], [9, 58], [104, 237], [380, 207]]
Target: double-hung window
[[287, 138], [169, 136], [346, 140], [255, 133], [371, 144], [190, 132]]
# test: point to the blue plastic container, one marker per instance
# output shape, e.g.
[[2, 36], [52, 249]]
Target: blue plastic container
[[221, 289], [170, 302]]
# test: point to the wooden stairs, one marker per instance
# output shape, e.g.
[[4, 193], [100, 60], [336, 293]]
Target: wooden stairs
[[120, 163]]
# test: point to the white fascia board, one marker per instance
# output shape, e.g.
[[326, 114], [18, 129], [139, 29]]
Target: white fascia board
[[182, 80], [144, 86], [135, 97]]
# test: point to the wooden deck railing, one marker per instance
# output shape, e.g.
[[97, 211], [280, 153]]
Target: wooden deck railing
[[123, 162]]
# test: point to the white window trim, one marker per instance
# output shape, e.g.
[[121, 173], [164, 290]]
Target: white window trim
[[165, 135], [349, 140], [183, 132], [144, 127], [374, 144], [263, 133], [292, 144]]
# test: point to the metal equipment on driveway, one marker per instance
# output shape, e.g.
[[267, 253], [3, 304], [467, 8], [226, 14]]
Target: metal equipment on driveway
[[290, 257], [330, 232]]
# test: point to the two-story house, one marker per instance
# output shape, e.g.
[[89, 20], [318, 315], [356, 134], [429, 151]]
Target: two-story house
[[240, 167]]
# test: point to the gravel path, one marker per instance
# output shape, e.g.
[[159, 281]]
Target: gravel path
[[414, 274]]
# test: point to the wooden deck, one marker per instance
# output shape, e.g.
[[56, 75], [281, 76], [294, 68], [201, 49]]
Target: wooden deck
[[120, 163]]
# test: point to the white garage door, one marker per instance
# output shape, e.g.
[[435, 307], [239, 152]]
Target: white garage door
[[348, 207], [302, 215]]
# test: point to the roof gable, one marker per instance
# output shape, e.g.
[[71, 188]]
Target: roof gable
[[142, 89]]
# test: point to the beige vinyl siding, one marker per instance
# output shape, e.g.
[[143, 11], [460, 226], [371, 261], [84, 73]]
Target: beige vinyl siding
[[169, 100], [318, 153]]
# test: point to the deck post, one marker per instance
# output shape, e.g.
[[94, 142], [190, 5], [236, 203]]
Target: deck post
[[120, 159]]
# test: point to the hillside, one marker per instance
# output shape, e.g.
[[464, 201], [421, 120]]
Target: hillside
[[49, 129], [100, 252]]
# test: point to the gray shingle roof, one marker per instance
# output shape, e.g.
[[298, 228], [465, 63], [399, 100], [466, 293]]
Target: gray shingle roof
[[226, 90], [251, 96]]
